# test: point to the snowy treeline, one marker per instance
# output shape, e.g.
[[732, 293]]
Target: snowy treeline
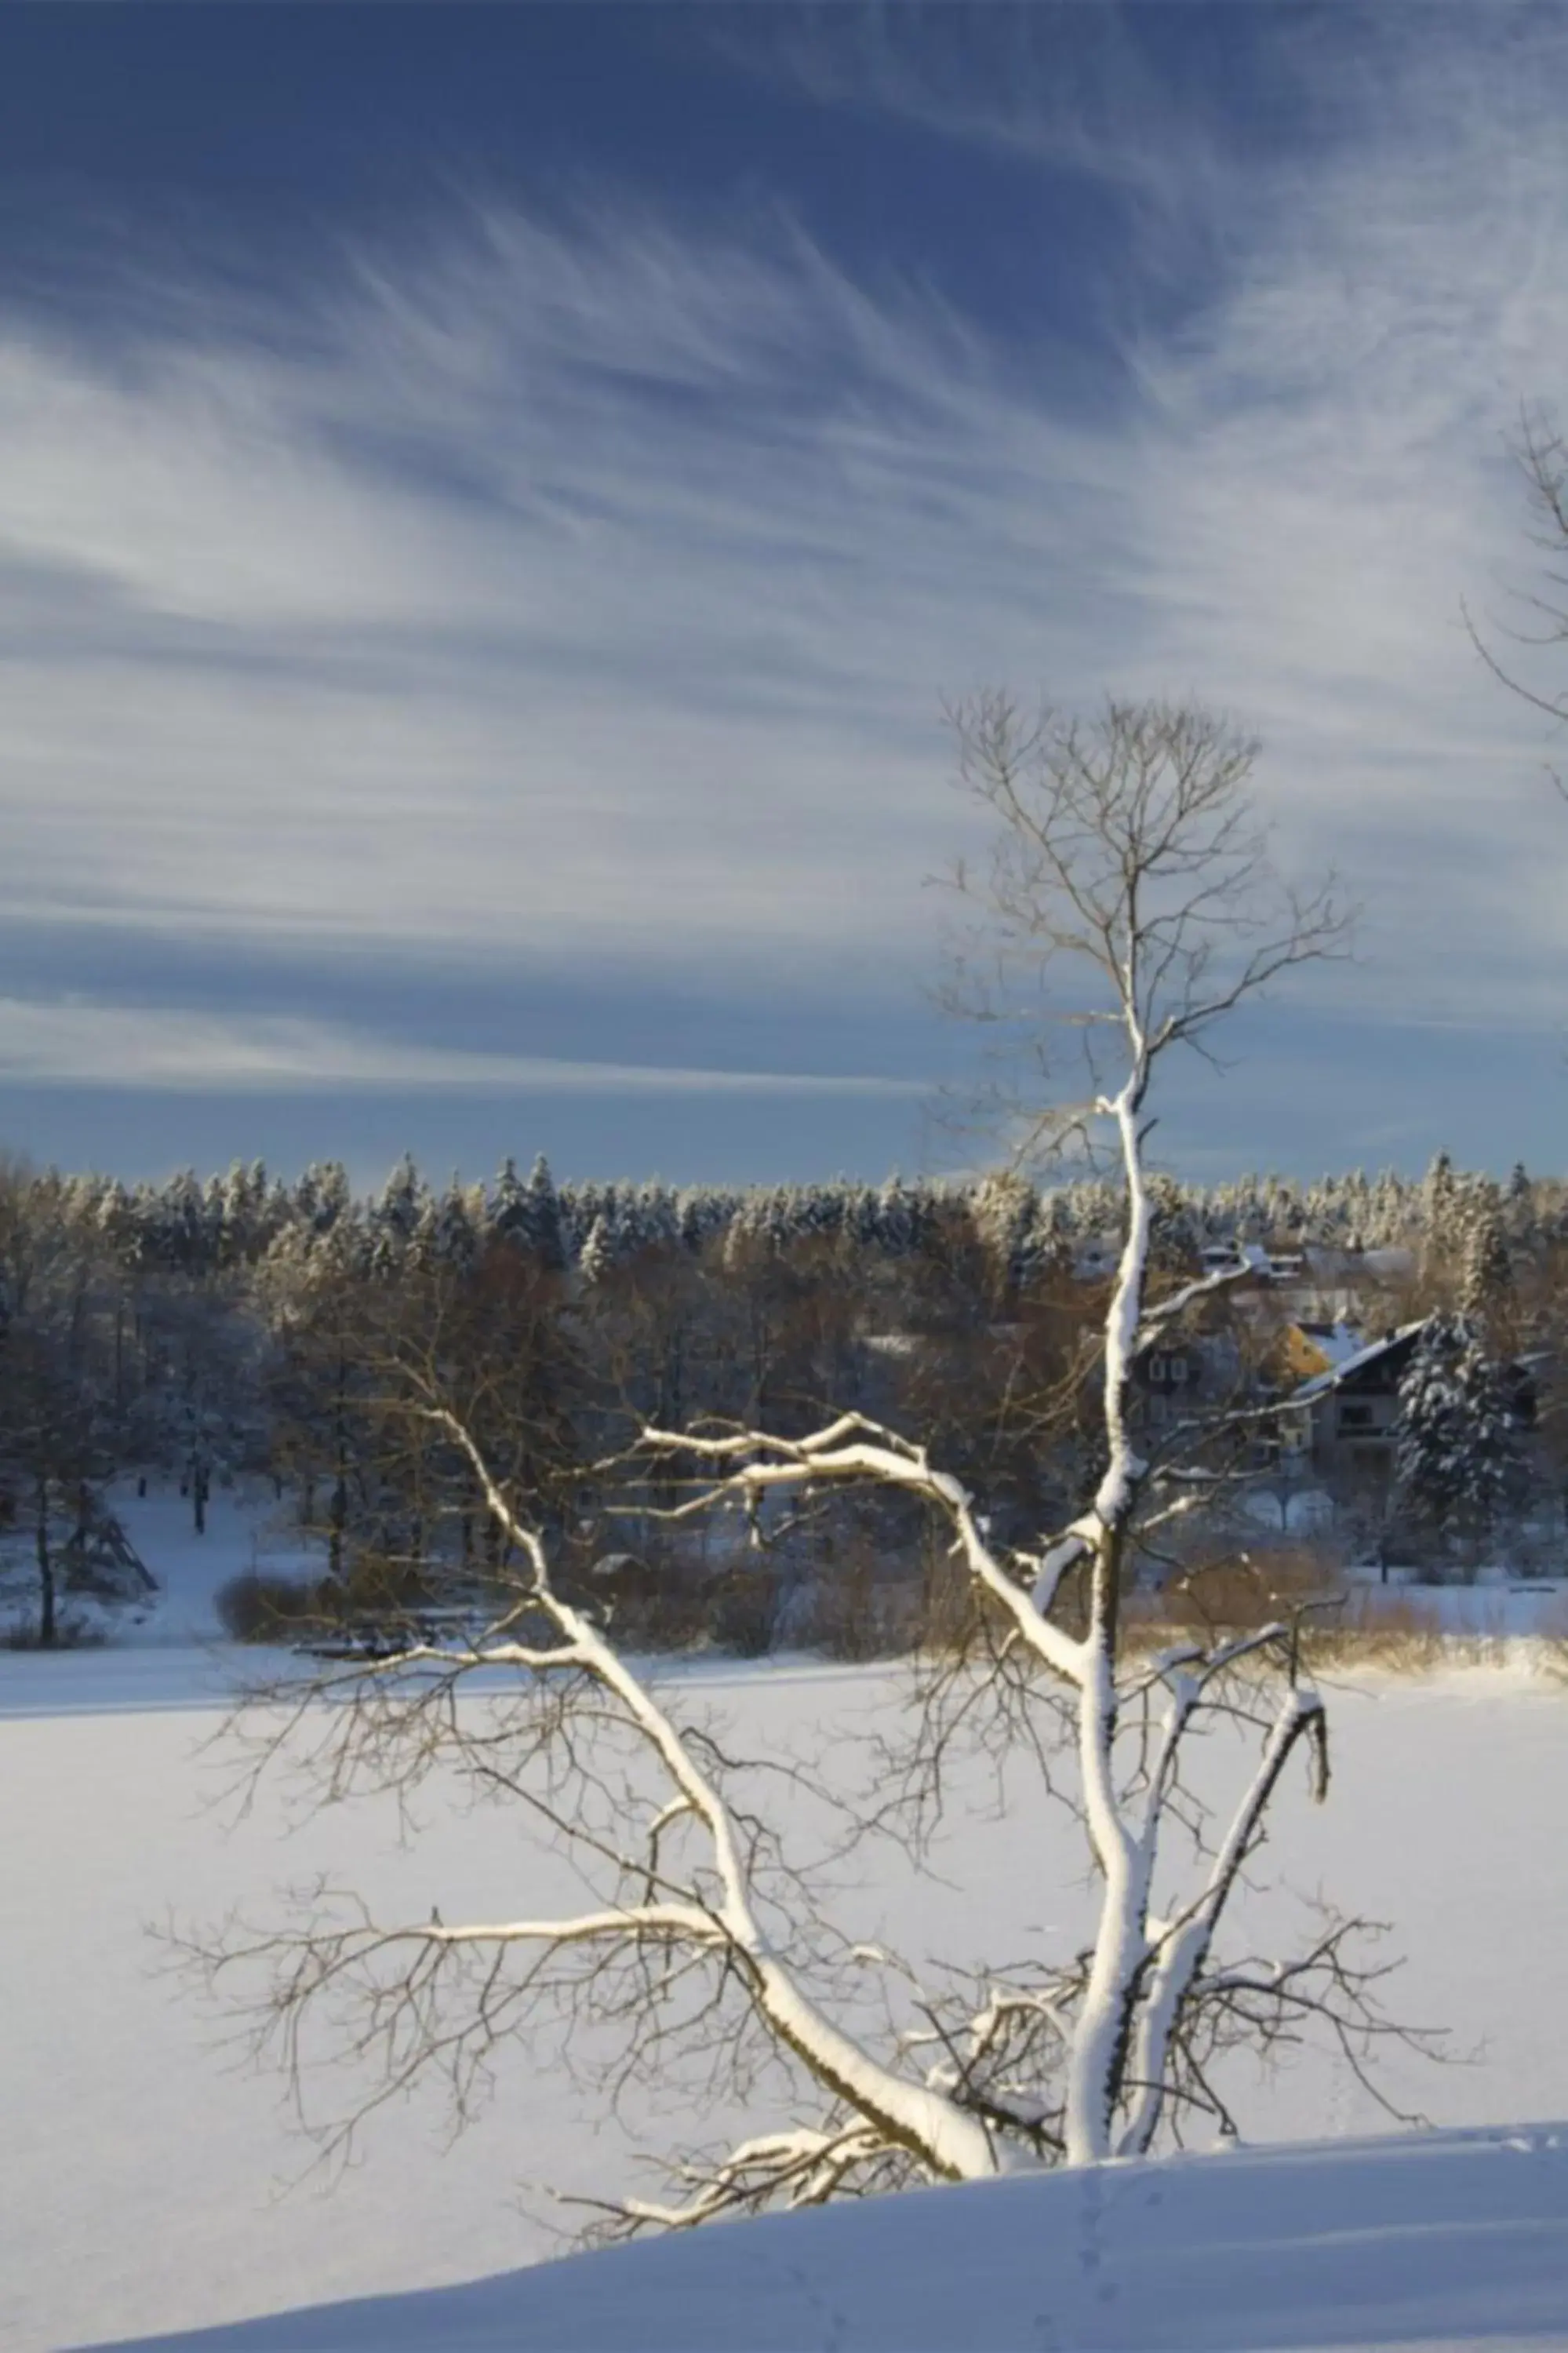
[[198, 1329], [196, 1226]]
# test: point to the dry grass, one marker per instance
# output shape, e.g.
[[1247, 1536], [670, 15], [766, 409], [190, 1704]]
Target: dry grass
[[1387, 1628], [72, 1633]]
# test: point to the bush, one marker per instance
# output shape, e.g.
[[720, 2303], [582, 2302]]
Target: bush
[[70, 1634], [746, 1608], [262, 1605], [670, 1612], [1238, 1592], [951, 1612], [852, 1615]]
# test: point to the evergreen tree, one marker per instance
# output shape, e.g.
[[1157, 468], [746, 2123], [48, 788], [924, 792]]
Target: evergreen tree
[[1486, 1295], [509, 1203], [1439, 1220], [896, 1229], [544, 1230], [1457, 1463], [323, 1196], [596, 1259], [1174, 1235], [455, 1226], [395, 1217], [1519, 1210]]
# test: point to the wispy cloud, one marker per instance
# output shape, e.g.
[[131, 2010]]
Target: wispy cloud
[[173, 1050], [588, 581]]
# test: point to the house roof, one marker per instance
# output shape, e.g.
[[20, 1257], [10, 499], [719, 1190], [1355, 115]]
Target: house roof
[[1322, 1383], [1336, 1343], [1327, 1262]]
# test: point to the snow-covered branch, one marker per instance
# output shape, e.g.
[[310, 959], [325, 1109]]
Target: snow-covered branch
[[852, 1449], [1128, 850]]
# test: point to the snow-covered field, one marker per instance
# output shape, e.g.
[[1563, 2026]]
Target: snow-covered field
[[143, 2178]]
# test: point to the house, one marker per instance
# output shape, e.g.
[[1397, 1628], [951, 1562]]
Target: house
[[1341, 1421], [1341, 1425], [1305, 1349], [1182, 1378], [1167, 1383]]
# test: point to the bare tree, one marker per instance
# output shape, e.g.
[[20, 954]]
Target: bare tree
[[1127, 854], [1128, 862], [1541, 455]]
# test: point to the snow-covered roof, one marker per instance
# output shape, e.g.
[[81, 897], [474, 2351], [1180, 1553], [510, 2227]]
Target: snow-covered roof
[[1322, 1383], [1336, 1343]]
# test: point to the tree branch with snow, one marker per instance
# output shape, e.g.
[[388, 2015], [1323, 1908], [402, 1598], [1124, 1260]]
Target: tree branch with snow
[[1126, 853]]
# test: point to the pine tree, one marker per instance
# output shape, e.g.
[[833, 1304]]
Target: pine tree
[[1001, 1213], [323, 1196], [896, 1233], [1439, 1220], [395, 1217], [596, 1259], [1486, 1296], [542, 1229], [509, 1203], [449, 1234], [1520, 1207], [1457, 1463], [1174, 1234]]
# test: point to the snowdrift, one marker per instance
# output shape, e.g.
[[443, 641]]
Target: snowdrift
[[1439, 2240]]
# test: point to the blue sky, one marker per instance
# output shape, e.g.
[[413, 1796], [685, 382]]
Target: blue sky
[[493, 498]]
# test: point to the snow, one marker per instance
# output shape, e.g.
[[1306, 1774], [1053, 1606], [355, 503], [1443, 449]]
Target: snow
[[246, 1528], [1339, 1344], [1454, 2241], [145, 2180], [1322, 1383]]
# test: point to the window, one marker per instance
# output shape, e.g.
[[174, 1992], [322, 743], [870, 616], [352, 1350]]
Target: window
[[1355, 1417]]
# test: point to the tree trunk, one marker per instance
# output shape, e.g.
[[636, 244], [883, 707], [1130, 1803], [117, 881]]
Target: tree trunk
[[47, 1628]]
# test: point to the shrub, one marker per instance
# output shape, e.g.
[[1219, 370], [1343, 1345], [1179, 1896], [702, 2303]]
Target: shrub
[[746, 1608], [670, 1612], [852, 1614], [262, 1605], [70, 1634]]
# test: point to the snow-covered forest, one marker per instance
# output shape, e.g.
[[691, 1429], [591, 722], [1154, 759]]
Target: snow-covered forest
[[236, 1328]]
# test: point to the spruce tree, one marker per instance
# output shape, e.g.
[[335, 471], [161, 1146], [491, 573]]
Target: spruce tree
[[596, 1259], [1458, 1464], [1439, 1220], [1486, 1295], [509, 1203], [542, 1228], [1519, 1210]]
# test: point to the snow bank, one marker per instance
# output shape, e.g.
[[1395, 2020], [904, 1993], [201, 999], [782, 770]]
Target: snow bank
[[1452, 2240]]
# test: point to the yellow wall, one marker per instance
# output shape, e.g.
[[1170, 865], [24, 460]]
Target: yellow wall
[[1302, 1358]]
